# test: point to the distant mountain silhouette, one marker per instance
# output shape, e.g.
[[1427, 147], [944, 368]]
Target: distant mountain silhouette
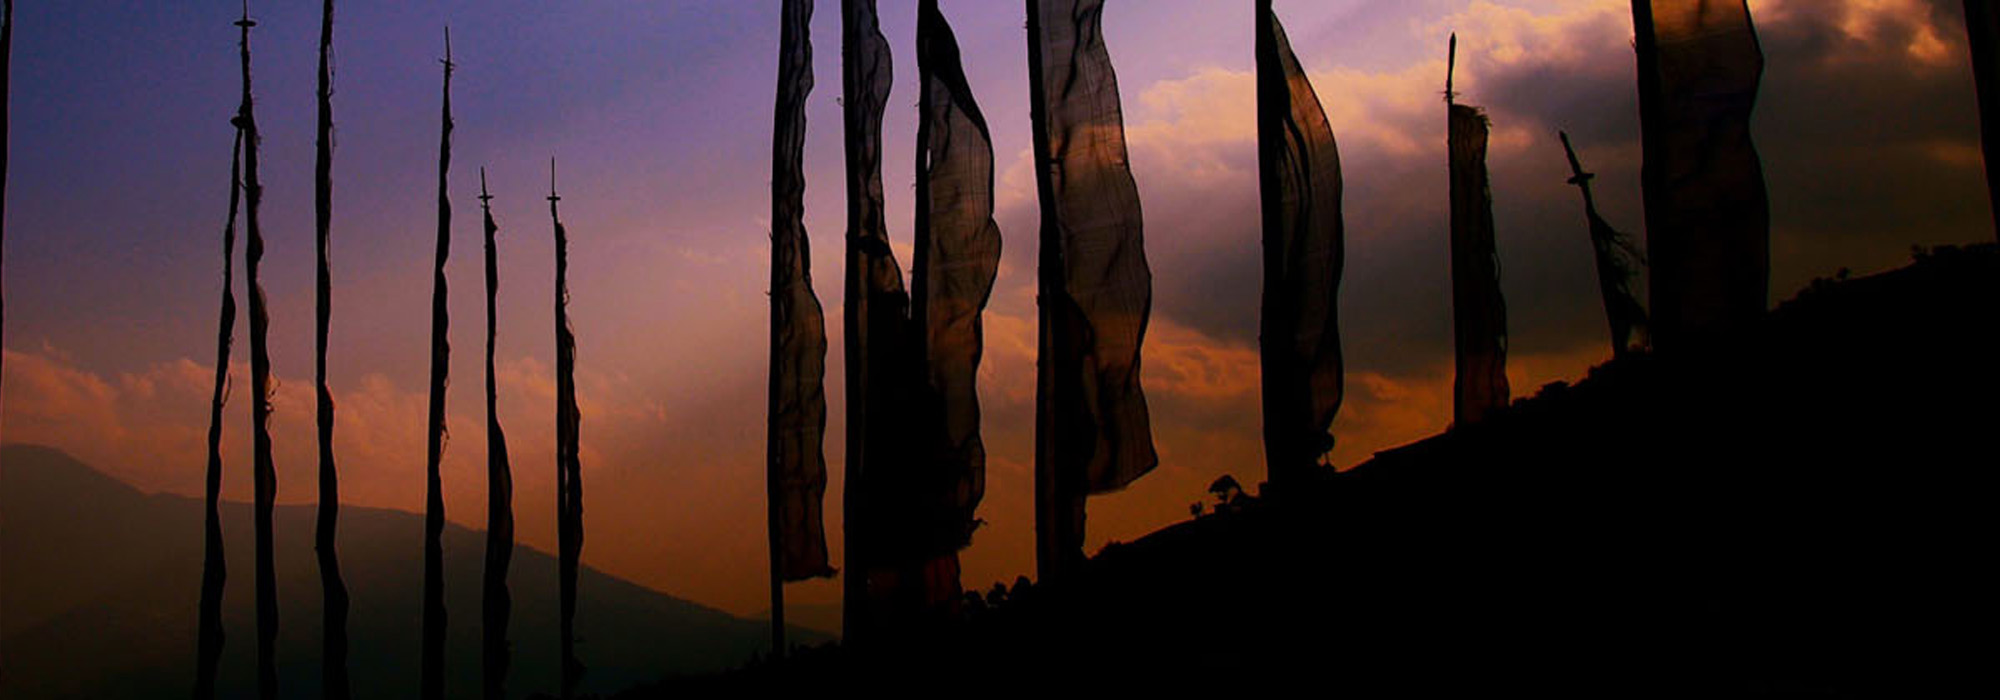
[[818, 617], [98, 585], [1803, 510]]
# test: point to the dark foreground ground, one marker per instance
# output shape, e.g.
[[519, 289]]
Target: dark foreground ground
[[1803, 511]]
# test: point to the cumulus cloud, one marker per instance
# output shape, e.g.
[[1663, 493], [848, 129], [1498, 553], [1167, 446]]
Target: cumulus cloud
[[148, 427]]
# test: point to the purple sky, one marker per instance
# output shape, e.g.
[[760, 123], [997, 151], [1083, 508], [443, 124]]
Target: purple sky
[[661, 113]]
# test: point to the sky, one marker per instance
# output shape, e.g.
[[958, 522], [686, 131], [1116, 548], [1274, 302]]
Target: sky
[[660, 115]]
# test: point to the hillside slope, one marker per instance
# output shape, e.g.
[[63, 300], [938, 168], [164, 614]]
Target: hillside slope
[[98, 586], [1802, 510]]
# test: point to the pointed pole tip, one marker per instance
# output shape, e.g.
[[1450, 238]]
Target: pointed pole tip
[[1451, 68]]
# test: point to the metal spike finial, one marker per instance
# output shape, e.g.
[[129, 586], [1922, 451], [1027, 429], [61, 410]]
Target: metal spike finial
[[484, 196], [1451, 68], [1581, 179], [448, 65], [553, 197]]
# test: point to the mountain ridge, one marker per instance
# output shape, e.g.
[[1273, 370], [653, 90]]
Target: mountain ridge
[[121, 623]]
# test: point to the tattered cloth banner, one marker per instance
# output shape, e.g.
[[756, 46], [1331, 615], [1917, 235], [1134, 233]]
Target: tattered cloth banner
[[569, 464], [1618, 263], [795, 465], [957, 258], [496, 606], [1479, 314], [1303, 253], [1093, 433], [876, 321], [1708, 217]]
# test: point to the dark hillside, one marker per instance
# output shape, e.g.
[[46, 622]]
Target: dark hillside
[[1804, 511], [98, 585]]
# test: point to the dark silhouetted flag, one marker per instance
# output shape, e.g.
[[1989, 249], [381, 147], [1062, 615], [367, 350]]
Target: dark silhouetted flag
[[1708, 218], [1299, 168], [569, 463], [1093, 434], [1618, 264], [795, 466], [264, 471], [957, 258], [495, 603], [876, 325], [431, 680], [214, 568], [1479, 313], [333, 592]]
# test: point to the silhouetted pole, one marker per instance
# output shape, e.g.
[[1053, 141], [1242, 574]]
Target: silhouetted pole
[[265, 473], [434, 613], [495, 602], [1578, 176], [1055, 503], [333, 657], [789, 121], [214, 571], [776, 530], [1982, 26]]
